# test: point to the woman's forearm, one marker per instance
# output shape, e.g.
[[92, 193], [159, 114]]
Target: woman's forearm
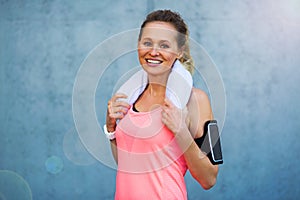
[[113, 145], [197, 161]]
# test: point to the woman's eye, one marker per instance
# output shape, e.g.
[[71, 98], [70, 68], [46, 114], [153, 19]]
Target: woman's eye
[[164, 46], [147, 44]]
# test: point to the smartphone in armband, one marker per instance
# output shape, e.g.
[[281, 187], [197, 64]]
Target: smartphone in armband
[[210, 142]]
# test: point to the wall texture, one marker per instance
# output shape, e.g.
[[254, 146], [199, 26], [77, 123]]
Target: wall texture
[[254, 44]]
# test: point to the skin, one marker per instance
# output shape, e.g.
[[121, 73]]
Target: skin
[[157, 51]]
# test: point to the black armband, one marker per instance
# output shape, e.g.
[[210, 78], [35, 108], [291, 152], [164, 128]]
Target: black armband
[[210, 142]]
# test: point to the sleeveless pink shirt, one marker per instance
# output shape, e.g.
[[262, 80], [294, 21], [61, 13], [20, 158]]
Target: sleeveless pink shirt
[[150, 162]]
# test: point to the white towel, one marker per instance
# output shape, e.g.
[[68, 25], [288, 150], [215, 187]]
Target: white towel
[[179, 85]]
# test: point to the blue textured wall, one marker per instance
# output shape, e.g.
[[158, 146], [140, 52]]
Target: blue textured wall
[[254, 44]]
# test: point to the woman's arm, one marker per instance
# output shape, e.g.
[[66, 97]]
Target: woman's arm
[[187, 125], [113, 146], [198, 163], [115, 110]]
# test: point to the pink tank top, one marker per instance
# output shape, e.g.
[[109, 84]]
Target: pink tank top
[[150, 162]]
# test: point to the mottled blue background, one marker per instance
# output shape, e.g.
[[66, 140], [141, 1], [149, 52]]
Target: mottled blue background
[[255, 45]]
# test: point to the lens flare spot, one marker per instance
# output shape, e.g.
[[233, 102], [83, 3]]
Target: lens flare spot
[[13, 186], [54, 164]]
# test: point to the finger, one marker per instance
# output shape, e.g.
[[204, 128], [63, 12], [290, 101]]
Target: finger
[[112, 104], [164, 111], [118, 115], [118, 96], [118, 109], [124, 110], [117, 106], [168, 103], [164, 119], [109, 106], [165, 107], [165, 115], [121, 104]]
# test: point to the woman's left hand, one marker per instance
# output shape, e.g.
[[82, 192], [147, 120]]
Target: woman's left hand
[[173, 117]]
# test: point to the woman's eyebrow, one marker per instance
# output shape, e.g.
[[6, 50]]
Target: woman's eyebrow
[[147, 39], [160, 41], [164, 40]]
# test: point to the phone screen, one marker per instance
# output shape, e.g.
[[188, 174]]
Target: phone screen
[[215, 144]]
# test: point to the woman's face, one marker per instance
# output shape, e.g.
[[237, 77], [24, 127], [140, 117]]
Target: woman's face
[[158, 48]]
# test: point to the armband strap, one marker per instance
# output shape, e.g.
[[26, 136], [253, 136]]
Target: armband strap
[[205, 144]]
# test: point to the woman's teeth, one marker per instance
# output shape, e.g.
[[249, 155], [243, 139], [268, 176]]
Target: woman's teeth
[[154, 61]]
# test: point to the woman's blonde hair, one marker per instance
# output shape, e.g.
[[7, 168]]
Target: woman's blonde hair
[[183, 36]]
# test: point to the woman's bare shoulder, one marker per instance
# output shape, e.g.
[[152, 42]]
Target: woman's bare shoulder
[[198, 96], [199, 110]]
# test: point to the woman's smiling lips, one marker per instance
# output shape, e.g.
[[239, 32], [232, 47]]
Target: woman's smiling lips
[[153, 62]]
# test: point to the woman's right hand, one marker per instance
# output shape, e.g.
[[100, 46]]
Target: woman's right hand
[[116, 110]]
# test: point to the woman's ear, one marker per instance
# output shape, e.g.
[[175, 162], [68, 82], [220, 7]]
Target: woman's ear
[[179, 55], [180, 52]]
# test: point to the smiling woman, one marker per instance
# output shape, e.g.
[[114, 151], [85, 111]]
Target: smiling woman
[[158, 48], [152, 131]]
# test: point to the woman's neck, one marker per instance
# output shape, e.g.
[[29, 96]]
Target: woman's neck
[[156, 89], [153, 96], [157, 85]]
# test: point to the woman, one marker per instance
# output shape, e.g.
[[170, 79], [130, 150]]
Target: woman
[[154, 167]]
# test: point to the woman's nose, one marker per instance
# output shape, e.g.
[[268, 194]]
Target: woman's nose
[[154, 51]]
